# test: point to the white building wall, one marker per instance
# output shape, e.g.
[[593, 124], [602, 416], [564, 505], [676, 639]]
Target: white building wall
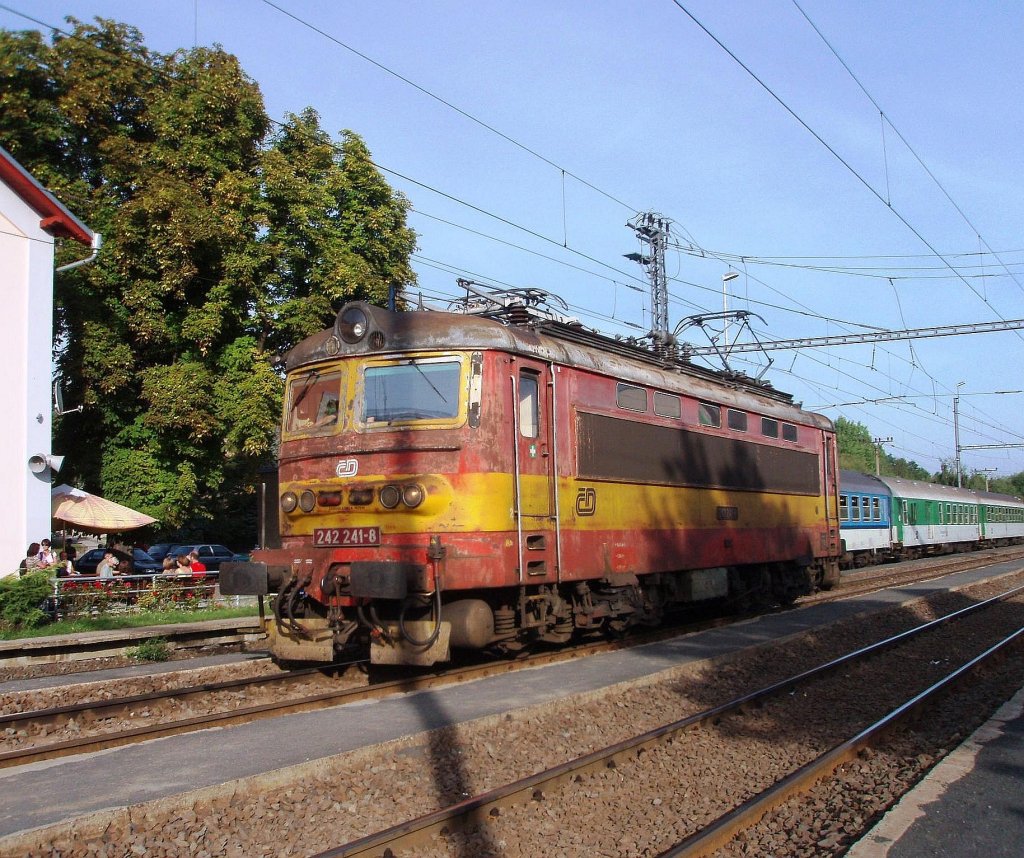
[[26, 304]]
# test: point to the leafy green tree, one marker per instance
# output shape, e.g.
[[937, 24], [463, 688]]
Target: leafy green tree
[[857, 453], [224, 241]]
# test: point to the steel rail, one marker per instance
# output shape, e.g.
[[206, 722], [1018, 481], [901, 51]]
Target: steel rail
[[477, 809], [722, 830], [338, 697], [119, 706]]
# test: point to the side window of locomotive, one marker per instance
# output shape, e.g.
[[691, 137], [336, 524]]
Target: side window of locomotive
[[769, 428], [709, 415], [844, 508], [529, 402], [631, 398], [667, 405], [738, 420], [313, 401], [413, 390], [789, 432]]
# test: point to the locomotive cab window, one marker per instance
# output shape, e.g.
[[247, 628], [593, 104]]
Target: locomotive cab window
[[709, 415], [413, 390], [737, 420], [631, 398], [529, 405], [313, 402]]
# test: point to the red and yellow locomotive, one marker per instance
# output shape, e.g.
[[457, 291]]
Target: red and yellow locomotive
[[451, 480]]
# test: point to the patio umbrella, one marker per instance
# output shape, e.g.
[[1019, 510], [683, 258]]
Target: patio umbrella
[[92, 513]]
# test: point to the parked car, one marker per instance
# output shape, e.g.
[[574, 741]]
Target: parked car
[[143, 563], [159, 551], [210, 555]]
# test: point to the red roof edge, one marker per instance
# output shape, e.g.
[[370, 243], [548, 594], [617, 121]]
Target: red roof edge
[[55, 218]]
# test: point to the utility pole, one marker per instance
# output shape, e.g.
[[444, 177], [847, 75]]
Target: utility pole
[[878, 442], [956, 430], [652, 230]]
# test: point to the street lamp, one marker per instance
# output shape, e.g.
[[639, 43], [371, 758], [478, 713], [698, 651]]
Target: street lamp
[[729, 275]]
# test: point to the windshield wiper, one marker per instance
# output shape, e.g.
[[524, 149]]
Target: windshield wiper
[[313, 376], [419, 369]]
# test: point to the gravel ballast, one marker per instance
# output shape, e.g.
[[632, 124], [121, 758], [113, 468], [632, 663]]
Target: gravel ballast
[[305, 809]]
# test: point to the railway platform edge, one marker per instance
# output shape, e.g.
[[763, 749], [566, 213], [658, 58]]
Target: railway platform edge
[[971, 803]]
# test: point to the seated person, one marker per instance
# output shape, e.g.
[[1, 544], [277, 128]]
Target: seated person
[[184, 565], [108, 565]]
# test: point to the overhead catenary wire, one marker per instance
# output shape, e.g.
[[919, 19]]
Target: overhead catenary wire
[[834, 152], [622, 278], [887, 120]]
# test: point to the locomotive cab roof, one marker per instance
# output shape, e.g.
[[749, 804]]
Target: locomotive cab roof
[[363, 329]]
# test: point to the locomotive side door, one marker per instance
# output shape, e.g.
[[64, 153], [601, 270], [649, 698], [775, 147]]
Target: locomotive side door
[[536, 472]]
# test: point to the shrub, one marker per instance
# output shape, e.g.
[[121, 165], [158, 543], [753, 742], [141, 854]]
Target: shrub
[[23, 600], [171, 593], [154, 649]]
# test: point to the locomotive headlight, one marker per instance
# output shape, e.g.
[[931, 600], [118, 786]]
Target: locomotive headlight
[[390, 497], [289, 501], [352, 324], [307, 500], [412, 495]]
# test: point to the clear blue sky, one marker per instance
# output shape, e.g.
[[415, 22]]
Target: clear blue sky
[[643, 110]]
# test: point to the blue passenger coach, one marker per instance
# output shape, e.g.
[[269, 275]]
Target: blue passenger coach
[[864, 519]]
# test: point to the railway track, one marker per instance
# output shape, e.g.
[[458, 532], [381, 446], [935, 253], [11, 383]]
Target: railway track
[[557, 797], [91, 726], [142, 707], [370, 787], [104, 645]]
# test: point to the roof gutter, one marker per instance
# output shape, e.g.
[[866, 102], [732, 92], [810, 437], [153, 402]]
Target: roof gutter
[[97, 243]]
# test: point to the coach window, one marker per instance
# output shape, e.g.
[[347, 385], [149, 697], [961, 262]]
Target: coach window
[[667, 405], [631, 398], [737, 420], [876, 509], [529, 412], [865, 505], [788, 432], [709, 415], [769, 428], [844, 508]]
